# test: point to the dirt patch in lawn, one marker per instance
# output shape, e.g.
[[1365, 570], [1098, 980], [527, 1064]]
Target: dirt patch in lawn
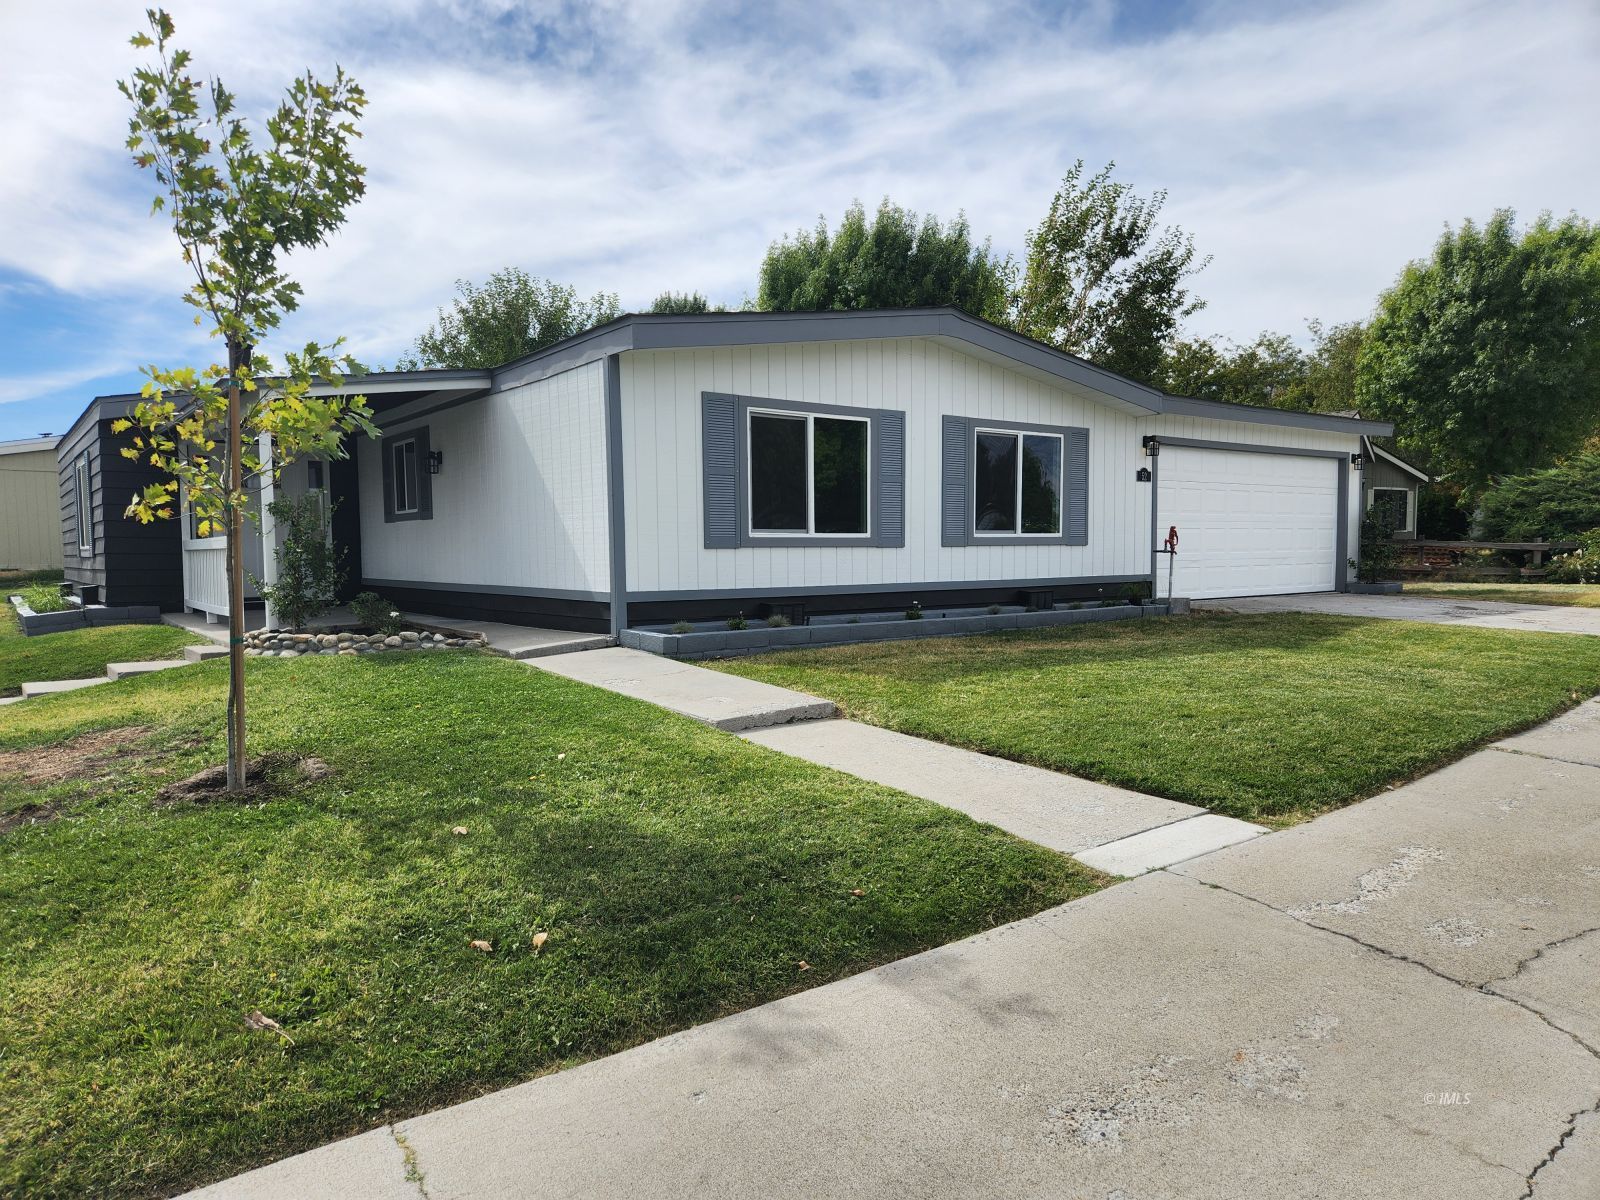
[[28, 814], [81, 757], [263, 776]]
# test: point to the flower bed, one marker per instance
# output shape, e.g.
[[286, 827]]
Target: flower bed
[[77, 615], [284, 643]]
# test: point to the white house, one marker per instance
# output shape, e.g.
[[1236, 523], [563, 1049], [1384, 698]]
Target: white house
[[669, 467]]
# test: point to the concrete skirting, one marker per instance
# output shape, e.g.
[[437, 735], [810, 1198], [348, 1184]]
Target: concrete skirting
[[759, 638], [1391, 588]]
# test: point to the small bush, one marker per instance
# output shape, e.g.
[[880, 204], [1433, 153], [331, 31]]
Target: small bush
[[778, 621], [914, 613], [737, 621], [310, 572], [994, 610], [1378, 551], [376, 613], [44, 598], [682, 627], [1579, 566], [1553, 504]]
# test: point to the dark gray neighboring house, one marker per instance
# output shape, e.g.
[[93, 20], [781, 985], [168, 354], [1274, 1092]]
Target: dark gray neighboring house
[[1394, 485], [110, 559]]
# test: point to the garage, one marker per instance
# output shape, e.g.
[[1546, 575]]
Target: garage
[[1250, 523]]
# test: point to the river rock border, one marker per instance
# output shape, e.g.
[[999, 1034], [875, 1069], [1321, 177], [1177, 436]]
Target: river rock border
[[280, 643]]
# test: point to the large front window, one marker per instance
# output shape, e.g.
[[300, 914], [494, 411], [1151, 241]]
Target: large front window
[[808, 474], [1016, 483]]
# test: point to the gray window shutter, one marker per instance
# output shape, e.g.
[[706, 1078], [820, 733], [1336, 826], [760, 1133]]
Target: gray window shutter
[[719, 417], [424, 476], [953, 492], [889, 436], [1076, 531]]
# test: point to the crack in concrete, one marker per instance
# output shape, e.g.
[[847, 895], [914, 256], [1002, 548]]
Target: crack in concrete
[[413, 1166], [1540, 953], [1550, 1157], [1571, 762]]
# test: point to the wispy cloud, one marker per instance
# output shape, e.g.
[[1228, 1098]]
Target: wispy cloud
[[639, 146]]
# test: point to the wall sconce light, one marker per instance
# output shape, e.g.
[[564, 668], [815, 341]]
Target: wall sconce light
[[435, 461], [1357, 461], [1152, 447]]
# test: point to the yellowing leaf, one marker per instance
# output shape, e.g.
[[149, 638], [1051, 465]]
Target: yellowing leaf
[[460, 831], [539, 939], [260, 1020], [480, 944]]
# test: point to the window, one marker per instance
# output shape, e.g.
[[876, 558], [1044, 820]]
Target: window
[[808, 474], [407, 484], [1016, 486], [1394, 505], [83, 512]]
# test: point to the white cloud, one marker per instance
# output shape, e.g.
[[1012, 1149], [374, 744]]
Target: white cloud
[[641, 146]]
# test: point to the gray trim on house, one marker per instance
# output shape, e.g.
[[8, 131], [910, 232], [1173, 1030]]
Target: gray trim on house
[[497, 589], [957, 487], [424, 497], [725, 466], [1341, 541], [867, 589], [703, 331], [1373, 450], [616, 516]]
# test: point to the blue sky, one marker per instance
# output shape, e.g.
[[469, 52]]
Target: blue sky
[[1312, 149]]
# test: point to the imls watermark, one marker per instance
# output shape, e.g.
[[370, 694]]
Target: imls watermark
[[1447, 1099]]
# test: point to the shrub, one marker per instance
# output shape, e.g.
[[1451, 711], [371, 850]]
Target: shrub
[[994, 610], [376, 613], [737, 621], [777, 621], [1378, 551], [1555, 504], [682, 627], [914, 613], [1581, 565], [44, 598], [310, 572]]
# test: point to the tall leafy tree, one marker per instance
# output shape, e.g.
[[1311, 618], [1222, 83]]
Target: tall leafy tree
[[893, 260], [239, 205], [682, 302], [1273, 370], [1487, 355], [1102, 280], [511, 314]]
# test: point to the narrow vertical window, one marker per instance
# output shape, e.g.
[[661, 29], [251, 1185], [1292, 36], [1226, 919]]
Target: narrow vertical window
[[405, 476], [81, 502]]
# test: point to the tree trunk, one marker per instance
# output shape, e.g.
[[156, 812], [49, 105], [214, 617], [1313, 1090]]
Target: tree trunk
[[236, 759]]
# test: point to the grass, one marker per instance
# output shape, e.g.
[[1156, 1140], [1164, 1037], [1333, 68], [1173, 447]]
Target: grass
[[44, 598], [1268, 717], [680, 873], [78, 653], [1580, 595]]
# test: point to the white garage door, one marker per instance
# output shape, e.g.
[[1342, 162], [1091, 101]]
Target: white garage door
[[1248, 524]]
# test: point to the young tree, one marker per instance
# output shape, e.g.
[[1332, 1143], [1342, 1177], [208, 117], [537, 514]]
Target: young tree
[[892, 261], [1102, 281], [512, 314], [1487, 356], [682, 302], [236, 208]]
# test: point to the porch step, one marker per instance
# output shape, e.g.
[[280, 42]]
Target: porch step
[[115, 671], [196, 654], [50, 686]]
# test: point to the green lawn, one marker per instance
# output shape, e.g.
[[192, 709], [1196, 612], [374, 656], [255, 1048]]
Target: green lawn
[[79, 653], [680, 873], [1270, 717], [1576, 594]]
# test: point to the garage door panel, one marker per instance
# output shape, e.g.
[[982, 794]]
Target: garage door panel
[[1250, 524]]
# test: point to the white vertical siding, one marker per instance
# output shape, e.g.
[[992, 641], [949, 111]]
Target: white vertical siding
[[205, 564], [926, 379], [520, 501]]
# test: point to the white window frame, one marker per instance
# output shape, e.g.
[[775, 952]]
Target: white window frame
[[810, 531], [397, 477], [82, 502], [1411, 504], [972, 484]]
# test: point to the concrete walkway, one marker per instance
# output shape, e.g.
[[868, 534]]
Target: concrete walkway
[[1396, 999], [1484, 614]]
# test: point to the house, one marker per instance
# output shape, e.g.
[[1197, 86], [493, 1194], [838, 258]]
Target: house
[[1391, 483], [108, 558], [690, 466], [29, 516]]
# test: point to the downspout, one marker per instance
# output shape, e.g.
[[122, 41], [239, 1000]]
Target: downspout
[[616, 512]]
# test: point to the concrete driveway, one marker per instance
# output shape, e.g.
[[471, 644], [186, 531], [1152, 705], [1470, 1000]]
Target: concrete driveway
[[1486, 614], [1396, 999]]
